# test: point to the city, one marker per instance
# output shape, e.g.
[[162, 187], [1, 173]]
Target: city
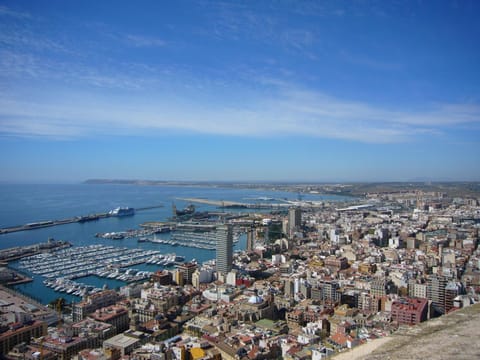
[[313, 281], [239, 180]]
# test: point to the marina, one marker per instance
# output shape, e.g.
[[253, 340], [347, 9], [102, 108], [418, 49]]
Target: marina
[[63, 269], [198, 235], [26, 203], [135, 233]]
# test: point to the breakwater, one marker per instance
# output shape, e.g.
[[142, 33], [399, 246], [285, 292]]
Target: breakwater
[[19, 252], [238, 205], [75, 219]]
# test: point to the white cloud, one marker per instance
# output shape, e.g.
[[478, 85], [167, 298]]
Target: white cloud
[[161, 98], [27, 40], [290, 112], [5, 11]]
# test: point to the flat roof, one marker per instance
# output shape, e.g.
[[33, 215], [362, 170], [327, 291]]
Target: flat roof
[[121, 341]]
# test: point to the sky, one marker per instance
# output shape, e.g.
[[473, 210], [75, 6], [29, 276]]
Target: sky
[[316, 91]]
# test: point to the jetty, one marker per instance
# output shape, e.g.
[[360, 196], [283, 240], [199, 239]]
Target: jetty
[[218, 203], [235, 204], [18, 252], [75, 219]]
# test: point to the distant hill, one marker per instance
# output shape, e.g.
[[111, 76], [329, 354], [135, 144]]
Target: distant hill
[[356, 189], [122, 181]]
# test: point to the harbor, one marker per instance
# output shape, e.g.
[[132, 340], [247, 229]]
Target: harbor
[[239, 205], [199, 240], [65, 201], [76, 219], [18, 252], [63, 269], [200, 235]]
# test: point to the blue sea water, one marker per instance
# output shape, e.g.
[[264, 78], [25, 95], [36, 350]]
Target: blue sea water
[[21, 204]]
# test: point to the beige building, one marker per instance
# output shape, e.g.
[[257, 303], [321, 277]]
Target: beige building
[[94, 302], [125, 344], [18, 333], [115, 315]]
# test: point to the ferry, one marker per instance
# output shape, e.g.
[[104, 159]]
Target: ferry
[[122, 211]]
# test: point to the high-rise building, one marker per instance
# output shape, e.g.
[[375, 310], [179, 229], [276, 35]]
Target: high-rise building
[[294, 219], [187, 269], [436, 292], [250, 238], [196, 279], [224, 248], [417, 290], [178, 276], [378, 287]]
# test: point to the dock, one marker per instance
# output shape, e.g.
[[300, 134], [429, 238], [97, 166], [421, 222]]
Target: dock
[[236, 205], [15, 253], [63, 270], [213, 202], [76, 219]]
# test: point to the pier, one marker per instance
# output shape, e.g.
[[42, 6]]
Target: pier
[[213, 202], [19, 252], [236, 205], [76, 219]]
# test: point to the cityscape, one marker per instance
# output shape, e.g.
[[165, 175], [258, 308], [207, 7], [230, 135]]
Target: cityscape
[[239, 180], [315, 279]]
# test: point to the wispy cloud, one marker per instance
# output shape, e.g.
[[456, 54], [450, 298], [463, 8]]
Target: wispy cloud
[[291, 111], [298, 38], [237, 21], [13, 64], [29, 66], [178, 97], [29, 36], [144, 41], [5, 11]]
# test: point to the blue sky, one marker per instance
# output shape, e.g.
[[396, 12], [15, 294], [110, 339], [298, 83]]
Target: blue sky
[[251, 90]]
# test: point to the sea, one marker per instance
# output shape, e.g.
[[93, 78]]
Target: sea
[[22, 204]]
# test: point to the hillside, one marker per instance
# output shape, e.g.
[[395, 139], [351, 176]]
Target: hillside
[[454, 336]]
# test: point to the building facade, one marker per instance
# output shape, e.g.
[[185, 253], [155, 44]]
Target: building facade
[[94, 302], [18, 333], [251, 239], [409, 311], [436, 285], [187, 270], [224, 255], [294, 220]]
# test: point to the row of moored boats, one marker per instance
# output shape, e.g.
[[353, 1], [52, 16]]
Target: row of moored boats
[[62, 266]]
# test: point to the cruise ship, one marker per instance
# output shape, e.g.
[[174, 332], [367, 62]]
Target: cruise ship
[[122, 211]]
